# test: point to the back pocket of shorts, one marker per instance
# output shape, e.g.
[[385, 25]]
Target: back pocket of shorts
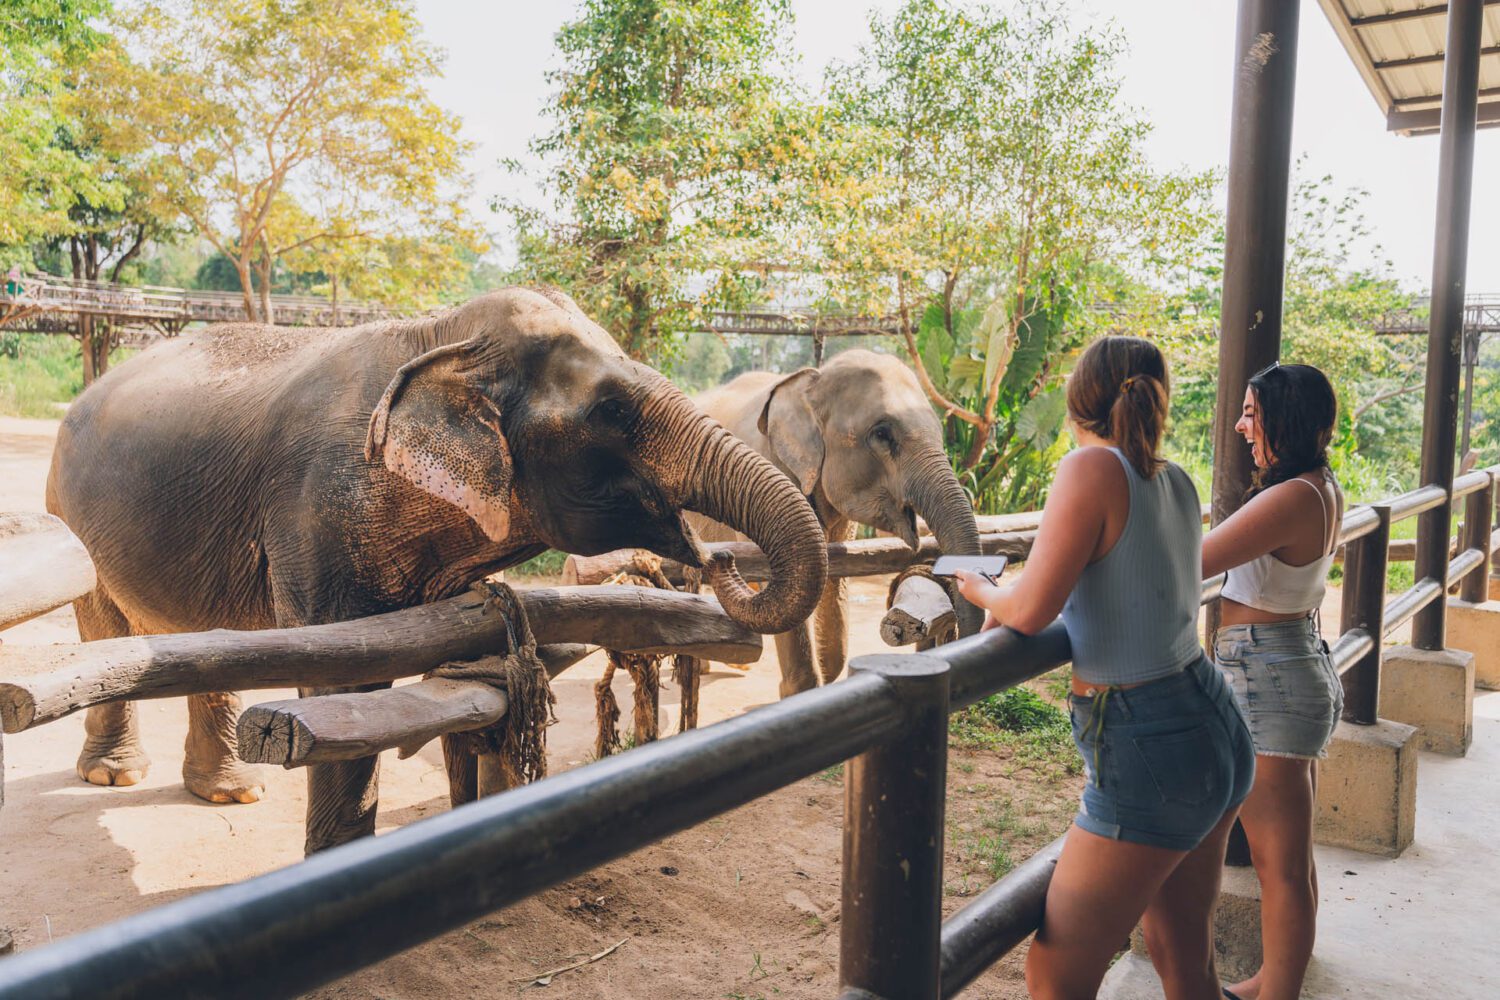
[[1181, 765], [1307, 688]]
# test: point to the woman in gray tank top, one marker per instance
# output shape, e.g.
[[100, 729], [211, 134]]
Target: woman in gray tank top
[[1167, 757]]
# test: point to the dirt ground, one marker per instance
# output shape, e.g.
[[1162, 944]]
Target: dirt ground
[[744, 906]]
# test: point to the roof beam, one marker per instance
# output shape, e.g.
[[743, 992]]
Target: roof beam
[[1436, 100], [1428, 119], [1437, 57], [1407, 15]]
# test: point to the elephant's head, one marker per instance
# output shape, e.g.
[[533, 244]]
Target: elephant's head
[[859, 435], [528, 416]]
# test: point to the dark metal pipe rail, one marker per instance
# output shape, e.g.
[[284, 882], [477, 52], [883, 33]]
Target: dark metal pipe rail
[[998, 919]]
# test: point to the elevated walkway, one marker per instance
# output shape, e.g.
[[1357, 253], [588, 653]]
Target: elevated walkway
[[1416, 927]]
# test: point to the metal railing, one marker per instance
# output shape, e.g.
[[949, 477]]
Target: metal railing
[[291, 930]]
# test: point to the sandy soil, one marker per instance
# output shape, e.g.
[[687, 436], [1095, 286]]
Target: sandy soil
[[744, 906]]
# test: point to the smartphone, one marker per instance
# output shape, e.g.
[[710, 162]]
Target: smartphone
[[986, 566]]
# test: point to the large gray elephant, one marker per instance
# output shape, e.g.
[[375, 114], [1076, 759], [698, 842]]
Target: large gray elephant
[[249, 476], [861, 441]]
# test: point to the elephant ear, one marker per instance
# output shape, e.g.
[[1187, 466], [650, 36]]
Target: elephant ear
[[435, 429], [789, 423]]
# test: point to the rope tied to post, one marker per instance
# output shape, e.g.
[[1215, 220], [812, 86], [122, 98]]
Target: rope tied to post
[[520, 739], [644, 669]]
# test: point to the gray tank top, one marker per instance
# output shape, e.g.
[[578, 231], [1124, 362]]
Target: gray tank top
[[1133, 615]]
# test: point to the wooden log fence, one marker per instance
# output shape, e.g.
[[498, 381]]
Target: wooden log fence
[[43, 566], [43, 683]]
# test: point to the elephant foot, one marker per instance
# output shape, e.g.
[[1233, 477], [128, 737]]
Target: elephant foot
[[103, 763], [231, 781]]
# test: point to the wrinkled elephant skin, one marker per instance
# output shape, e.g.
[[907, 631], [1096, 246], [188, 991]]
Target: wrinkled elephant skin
[[245, 476]]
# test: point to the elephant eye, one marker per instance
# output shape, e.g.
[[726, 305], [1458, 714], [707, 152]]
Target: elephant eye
[[882, 434], [612, 412]]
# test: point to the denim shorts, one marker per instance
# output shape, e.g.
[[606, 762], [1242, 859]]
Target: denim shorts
[[1164, 761], [1285, 684]]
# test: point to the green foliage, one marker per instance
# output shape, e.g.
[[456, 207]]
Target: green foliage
[[989, 171], [41, 43], [667, 163], [1332, 304], [1020, 710], [274, 127], [549, 563], [39, 372]]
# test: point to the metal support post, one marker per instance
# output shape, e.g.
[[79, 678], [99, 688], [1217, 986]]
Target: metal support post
[[1365, 561], [1479, 510], [1445, 330], [891, 921]]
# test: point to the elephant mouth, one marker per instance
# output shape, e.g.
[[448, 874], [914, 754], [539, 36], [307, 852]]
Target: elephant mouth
[[905, 527]]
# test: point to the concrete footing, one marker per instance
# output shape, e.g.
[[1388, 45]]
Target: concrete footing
[[1237, 951], [1432, 690], [1476, 628], [1367, 788]]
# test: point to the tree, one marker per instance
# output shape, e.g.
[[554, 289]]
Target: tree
[[990, 171], [41, 41], [669, 163], [250, 102], [1337, 288]]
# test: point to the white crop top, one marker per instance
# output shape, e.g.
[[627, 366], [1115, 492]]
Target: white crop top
[[1269, 584]]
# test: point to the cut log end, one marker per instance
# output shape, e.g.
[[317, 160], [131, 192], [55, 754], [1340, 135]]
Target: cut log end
[[920, 610], [302, 731]]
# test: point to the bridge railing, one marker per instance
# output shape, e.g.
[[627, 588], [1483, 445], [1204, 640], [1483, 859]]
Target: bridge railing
[[294, 929]]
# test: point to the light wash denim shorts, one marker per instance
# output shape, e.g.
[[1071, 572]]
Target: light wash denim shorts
[[1164, 760], [1285, 684]]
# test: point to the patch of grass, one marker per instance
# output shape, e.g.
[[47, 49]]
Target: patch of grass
[[1059, 683], [1037, 733], [833, 775], [549, 563], [39, 371]]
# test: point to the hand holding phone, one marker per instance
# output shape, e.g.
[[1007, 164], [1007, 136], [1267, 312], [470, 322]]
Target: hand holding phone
[[989, 567]]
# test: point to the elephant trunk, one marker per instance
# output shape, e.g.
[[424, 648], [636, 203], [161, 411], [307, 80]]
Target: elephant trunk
[[705, 468], [935, 494]]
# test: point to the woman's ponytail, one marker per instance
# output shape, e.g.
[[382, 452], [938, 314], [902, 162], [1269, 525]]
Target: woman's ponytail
[[1119, 391]]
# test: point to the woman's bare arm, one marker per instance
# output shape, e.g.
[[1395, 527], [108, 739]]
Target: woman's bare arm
[[1280, 517], [1073, 518]]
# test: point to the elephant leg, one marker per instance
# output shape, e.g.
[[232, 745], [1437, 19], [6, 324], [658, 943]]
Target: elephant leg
[[463, 770], [112, 753], [211, 767], [342, 795], [829, 619], [794, 651]]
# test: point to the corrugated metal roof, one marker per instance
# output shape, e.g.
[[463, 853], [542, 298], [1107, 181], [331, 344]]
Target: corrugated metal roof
[[1397, 45]]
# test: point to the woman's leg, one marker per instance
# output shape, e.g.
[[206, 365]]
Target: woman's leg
[[1179, 923], [1098, 892], [1278, 818]]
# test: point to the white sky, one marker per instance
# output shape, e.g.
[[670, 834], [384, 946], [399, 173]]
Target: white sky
[[1178, 71]]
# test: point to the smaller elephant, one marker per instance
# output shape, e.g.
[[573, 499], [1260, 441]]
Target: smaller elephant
[[860, 439]]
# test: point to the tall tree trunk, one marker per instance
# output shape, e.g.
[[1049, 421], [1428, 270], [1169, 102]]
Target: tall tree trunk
[[333, 282], [86, 347], [247, 290], [263, 267]]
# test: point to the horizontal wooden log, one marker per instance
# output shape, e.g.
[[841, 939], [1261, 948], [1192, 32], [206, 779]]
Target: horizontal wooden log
[[43, 683], [297, 732], [43, 566], [863, 557], [920, 609]]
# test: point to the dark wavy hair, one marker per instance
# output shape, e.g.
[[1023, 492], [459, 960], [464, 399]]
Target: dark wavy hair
[[1297, 409], [1118, 391]]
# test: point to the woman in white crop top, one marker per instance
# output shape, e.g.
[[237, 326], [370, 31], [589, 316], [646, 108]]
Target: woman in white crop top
[[1277, 549]]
